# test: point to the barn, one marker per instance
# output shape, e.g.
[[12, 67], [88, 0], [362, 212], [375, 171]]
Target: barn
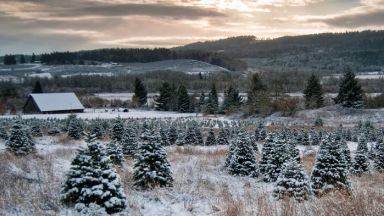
[[53, 103]]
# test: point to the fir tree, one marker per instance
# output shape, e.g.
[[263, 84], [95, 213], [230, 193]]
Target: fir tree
[[117, 130], [360, 163], [211, 139], [140, 96], [202, 102], [93, 180], [232, 100], [97, 129], [33, 58], [292, 182], [172, 134], [129, 141], [243, 161], [222, 139], [266, 151], [379, 157], [258, 99], [164, 98], [115, 152], [3, 133], [37, 89], [183, 100], [330, 170], [164, 137], [278, 155], [151, 167], [75, 129], [36, 130], [19, 142], [362, 146], [212, 105], [313, 93], [350, 92]]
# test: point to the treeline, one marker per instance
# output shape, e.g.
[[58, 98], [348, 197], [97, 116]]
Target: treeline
[[142, 55]]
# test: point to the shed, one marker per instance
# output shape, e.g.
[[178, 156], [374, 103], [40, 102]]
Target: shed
[[53, 103]]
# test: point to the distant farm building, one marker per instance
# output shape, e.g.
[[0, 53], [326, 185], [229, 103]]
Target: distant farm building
[[53, 103]]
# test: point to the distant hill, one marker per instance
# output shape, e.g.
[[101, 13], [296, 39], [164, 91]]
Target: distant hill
[[325, 51]]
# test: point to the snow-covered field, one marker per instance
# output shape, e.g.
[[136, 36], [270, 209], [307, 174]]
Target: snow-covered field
[[201, 186]]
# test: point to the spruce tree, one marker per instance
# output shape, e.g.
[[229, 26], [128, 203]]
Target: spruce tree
[[183, 100], [164, 137], [362, 146], [93, 180], [278, 155], [75, 129], [115, 153], [379, 157], [117, 129], [211, 139], [202, 102], [3, 133], [97, 129], [36, 130], [172, 134], [232, 100], [313, 93], [164, 98], [151, 167], [19, 142], [292, 182], [37, 89], [222, 139], [330, 170], [259, 101], [243, 161], [266, 151], [350, 92], [360, 163], [212, 105], [129, 141], [140, 96]]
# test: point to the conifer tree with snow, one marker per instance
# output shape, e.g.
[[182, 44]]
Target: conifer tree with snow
[[379, 157], [232, 100], [266, 151], [164, 137], [3, 133], [140, 96], [278, 155], [222, 138], [202, 102], [212, 104], [360, 163], [163, 101], [362, 146], [350, 91], [211, 139], [19, 142], [243, 161], [180, 138], [115, 153], [330, 171], [183, 101], [292, 182], [75, 129], [97, 129], [172, 134], [129, 141], [117, 130], [151, 167], [313, 93], [36, 130], [93, 180], [231, 149]]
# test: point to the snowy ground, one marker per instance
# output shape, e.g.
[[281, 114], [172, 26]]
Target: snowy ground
[[31, 185]]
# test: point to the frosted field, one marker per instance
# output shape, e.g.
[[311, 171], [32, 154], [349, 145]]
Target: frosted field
[[201, 186]]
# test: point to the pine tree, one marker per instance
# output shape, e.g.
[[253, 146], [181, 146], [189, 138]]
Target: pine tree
[[232, 100], [266, 151], [313, 93], [19, 142], [129, 141], [164, 137], [22, 59], [140, 96], [117, 130], [278, 155], [212, 105], [172, 134], [350, 92], [75, 129], [292, 182], [259, 101], [3, 133], [202, 102], [97, 129], [222, 139], [180, 139], [151, 167], [362, 146], [36, 130], [243, 161], [183, 100], [330, 170], [379, 157], [164, 99], [33, 58], [211, 139], [115, 153], [360, 163], [93, 180]]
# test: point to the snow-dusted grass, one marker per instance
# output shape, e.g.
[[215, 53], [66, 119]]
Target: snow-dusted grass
[[31, 186]]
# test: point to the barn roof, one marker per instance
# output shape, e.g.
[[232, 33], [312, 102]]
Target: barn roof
[[57, 101]]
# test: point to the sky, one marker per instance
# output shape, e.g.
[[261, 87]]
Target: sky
[[38, 26]]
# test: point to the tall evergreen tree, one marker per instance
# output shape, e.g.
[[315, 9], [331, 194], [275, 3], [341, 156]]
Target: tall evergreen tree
[[37, 89], [313, 93], [211, 139], [93, 180], [129, 141], [183, 99], [164, 98], [140, 96], [117, 130], [232, 100], [115, 152], [360, 163], [22, 59], [33, 58], [151, 167], [278, 155], [202, 102], [350, 91], [258, 98], [212, 105]]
